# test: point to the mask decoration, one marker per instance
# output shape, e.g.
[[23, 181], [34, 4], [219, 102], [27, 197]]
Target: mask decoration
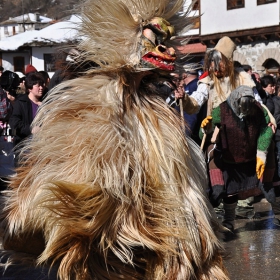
[[153, 51], [216, 64], [246, 106], [214, 60], [139, 34], [242, 101]]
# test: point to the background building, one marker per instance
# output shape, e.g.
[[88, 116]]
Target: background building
[[252, 25], [22, 23], [37, 47]]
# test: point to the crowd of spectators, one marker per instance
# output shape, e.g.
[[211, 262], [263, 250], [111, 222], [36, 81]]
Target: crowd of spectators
[[20, 95]]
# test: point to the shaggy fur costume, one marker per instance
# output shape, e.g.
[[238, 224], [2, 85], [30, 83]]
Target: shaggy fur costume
[[110, 184]]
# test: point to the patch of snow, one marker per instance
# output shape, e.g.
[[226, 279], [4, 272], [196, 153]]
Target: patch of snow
[[58, 32]]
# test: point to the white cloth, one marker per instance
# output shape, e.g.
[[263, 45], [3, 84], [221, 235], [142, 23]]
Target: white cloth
[[200, 95], [257, 96]]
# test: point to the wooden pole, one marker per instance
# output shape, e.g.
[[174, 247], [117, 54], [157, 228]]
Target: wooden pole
[[182, 113], [203, 141], [181, 108]]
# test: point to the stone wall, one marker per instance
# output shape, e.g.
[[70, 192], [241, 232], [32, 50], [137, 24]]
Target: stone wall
[[255, 54]]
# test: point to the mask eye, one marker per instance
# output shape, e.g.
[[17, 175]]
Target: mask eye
[[150, 35]]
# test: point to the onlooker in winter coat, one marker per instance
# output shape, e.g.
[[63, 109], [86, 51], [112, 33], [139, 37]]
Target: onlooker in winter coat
[[26, 106], [268, 85]]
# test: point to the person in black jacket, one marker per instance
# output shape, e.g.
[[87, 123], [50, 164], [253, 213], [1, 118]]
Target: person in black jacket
[[25, 108], [273, 103], [268, 85]]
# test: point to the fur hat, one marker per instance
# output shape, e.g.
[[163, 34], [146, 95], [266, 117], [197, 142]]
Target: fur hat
[[226, 46], [30, 68]]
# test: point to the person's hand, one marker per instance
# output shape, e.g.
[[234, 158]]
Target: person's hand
[[179, 92], [261, 159], [272, 127], [260, 168], [10, 97], [206, 124]]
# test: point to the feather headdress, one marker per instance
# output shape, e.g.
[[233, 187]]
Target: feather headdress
[[110, 181]]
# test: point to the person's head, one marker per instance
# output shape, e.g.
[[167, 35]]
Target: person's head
[[155, 32], [30, 69], [10, 81], [277, 87], [226, 47], [242, 101], [237, 64], [45, 76], [218, 65], [247, 68], [175, 79], [34, 85], [278, 73], [257, 76], [219, 61], [189, 76], [21, 80], [268, 84]]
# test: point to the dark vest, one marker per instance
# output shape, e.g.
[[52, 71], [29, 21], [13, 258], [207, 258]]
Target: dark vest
[[239, 138]]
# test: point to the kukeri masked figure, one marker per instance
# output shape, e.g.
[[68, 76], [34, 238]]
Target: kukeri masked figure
[[110, 185], [240, 153]]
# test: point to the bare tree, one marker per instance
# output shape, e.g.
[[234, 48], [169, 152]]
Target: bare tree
[[56, 9]]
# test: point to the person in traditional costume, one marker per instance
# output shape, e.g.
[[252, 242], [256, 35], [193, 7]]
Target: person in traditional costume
[[241, 148], [214, 87], [220, 78], [110, 187]]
